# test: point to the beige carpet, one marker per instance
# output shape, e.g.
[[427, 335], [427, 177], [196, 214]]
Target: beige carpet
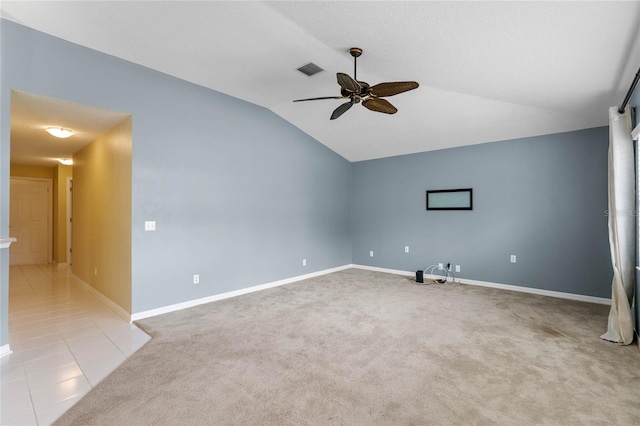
[[367, 348]]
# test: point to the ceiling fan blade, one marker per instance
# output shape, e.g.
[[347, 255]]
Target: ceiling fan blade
[[341, 109], [379, 105], [347, 83], [317, 99], [390, 89]]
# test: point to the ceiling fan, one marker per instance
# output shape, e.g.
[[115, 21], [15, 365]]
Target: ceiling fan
[[371, 96]]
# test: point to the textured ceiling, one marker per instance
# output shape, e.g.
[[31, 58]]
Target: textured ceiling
[[488, 71]]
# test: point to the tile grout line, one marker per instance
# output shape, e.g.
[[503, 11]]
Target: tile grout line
[[43, 303], [26, 378]]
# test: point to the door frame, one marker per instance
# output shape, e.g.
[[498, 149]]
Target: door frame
[[49, 182], [69, 220]]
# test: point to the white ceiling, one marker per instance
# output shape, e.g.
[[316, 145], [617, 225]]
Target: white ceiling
[[488, 71]]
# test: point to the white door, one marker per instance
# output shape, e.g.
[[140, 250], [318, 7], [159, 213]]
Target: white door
[[29, 214]]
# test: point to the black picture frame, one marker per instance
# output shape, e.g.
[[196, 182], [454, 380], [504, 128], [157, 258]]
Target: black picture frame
[[432, 205]]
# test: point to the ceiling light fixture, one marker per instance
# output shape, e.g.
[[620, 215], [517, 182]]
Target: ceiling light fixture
[[66, 161], [59, 132]]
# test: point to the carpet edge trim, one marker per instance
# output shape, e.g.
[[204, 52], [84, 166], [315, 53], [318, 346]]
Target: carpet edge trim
[[214, 298], [510, 287]]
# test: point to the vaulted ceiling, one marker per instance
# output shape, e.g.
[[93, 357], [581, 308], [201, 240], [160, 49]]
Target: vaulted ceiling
[[488, 71]]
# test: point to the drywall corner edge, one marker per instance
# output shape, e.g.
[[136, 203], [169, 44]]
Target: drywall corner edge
[[5, 350]]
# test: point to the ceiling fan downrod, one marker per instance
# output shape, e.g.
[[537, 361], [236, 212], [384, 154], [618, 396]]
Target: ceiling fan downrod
[[355, 52]]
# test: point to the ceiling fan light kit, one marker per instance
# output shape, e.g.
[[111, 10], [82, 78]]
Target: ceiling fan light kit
[[360, 91]]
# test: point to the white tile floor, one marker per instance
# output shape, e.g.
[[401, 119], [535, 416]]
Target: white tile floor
[[64, 342]]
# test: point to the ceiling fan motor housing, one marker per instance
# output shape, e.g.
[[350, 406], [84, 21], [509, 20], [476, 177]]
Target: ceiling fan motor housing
[[364, 90], [355, 51]]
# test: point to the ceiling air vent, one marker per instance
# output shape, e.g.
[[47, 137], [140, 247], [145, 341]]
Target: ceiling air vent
[[310, 69]]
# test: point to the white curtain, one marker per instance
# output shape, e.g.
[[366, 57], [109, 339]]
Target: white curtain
[[621, 215]]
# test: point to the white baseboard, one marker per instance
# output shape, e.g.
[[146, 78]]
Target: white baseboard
[[5, 350], [191, 303], [385, 270], [104, 299], [530, 290], [550, 293]]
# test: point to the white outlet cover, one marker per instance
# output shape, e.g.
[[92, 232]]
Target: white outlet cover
[[457, 268], [406, 249], [150, 225], [196, 279], [304, 262], [513, 258], [371, 253], [440, 266]]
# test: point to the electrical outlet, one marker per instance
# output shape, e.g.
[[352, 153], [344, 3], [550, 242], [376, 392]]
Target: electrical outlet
[[513, 258], [440, 266], [196, 279], [304, 262], [457, 268], [371, 253], [150, 225], [406, 249]]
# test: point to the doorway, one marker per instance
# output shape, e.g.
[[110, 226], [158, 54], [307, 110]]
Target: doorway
[[30, 220], [87, 227]]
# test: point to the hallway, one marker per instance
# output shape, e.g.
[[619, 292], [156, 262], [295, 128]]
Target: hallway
[[64, 342]]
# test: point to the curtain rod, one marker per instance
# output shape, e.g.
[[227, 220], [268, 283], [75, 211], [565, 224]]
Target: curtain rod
[[629, 93]]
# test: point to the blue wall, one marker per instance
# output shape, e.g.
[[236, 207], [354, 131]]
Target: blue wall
[[240, 196], [542, 199]]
